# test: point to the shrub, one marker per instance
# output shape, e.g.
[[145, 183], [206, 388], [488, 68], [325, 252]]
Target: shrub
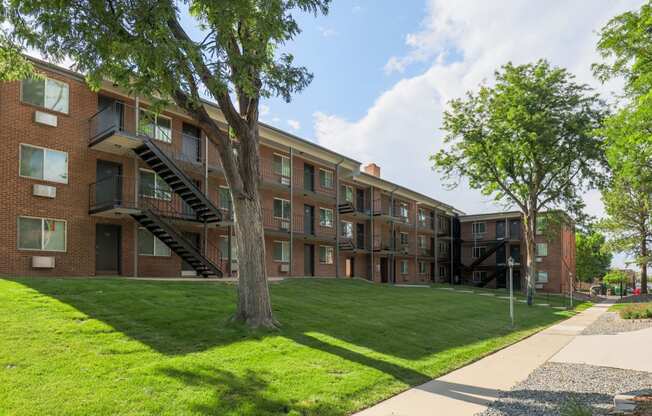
[[640, 311], [573, 408]]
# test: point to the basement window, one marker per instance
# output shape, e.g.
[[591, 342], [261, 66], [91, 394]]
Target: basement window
[[479, 275], [149, 245]]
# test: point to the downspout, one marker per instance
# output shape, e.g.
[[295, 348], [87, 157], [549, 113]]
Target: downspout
[[136, 190], [205, 245], [393, 237], [436, 219], [371, 218], [291, 253], [452, 249], [416, 237]]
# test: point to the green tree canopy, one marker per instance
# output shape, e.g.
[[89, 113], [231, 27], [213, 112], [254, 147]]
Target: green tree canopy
[[528, 141], [592, 257], [615, 277]]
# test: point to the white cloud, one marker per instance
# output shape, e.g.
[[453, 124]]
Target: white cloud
[[294, 125], [402, 126], [327, 32]]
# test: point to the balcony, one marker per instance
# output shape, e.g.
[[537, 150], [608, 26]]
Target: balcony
[[274, 223], [311, 188], [405, 249], [425, 252], [382, 243], [272, 176], [117, 196], [114, 130], [425, 224]]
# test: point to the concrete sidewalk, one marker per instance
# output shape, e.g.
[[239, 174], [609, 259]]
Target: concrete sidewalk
[[470, 389]]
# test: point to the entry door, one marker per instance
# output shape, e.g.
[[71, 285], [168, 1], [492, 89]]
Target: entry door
[[384, 270], [359, 200], [308, 177], [195, 240], [108, 187], [107, 249], [309, 260], [515, 230], [110, 116], [432, 271], [309, 219], [359, 235], [350, 267], [191, 144]]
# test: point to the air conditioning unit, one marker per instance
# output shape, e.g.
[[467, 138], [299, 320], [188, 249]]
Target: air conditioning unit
[[284, 268], [45, 118], [285, 180], [539, 259], [285, 225], [43, 262], [45, 191], [234, 266]]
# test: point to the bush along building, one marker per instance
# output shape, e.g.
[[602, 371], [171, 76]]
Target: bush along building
[[98, 184]]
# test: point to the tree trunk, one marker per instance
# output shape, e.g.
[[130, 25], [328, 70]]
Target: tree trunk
[[530, 252], [644, 264], [254, 304]]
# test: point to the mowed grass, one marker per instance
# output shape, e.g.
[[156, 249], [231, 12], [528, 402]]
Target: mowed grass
[[106, 347]]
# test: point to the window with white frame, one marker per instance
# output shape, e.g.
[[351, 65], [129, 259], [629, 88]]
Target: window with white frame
[[540, 225], [47, 93], [479, 275], [326, 178], [443, 224], [421, 216], [149, 245], [155, 126], [422, 241], [282, 209], [281, 251], [478, 227], [326, 254], [479, 251], [404, 237], [542, 249], [347, 229], [542, 277], [153, 186], [404, 267], [403, 209], [443, 248], [347, 193], [45, 164], [423, 267], [325, 217], [43, 234], [225, 198], [281, 165], [224, 248]]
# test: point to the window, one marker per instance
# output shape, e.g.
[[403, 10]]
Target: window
[[479, 275], [326, 254], [281, 251], [347, 193], [478, 227], [155, 126], [153, 186], [325, 217], [540, 225], [421, 240], [326, 178], [404, 238], [41, 234], [225, 198], [281, 165], [542, 249], [423, 267], [47, 93], [347, 229], [542, 277], [443, 224], [281, 208], [443, 248], [224, 248], [149, 245], [403, 209], [421, 216], [442, 271], [404, 267], [479, 251], [45, 164]]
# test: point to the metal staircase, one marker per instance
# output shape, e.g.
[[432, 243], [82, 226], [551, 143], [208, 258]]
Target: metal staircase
[[487, 253], [178, 181], [345, 208], [152, 219]]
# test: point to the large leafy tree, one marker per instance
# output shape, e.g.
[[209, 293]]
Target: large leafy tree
[[146, 47], [592, 258], [625, 44], [528, 141], [13, 64]]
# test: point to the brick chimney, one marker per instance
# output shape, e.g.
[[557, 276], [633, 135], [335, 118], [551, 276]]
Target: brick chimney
[[372, 169]]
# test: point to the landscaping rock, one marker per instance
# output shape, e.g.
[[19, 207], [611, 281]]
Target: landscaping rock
[[611, 323]]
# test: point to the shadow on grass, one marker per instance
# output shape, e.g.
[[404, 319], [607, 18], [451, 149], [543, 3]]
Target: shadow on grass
[[181, 318]]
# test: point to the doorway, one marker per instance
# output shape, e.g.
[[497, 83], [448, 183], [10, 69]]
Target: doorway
[[359, 200], [308, 177], [359, 236], [195, 240], [384, 269], [108, 186], [309, 219], [349, 267], [107, 249], [309, 260]]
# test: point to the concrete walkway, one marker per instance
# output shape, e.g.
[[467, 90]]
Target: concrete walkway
[[470, 389]]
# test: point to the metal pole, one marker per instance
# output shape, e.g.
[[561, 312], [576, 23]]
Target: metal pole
[[371, 220], [291, 253], [570, 275], [511, 292]]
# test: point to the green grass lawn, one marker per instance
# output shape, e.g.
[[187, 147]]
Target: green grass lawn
[[105, 347]]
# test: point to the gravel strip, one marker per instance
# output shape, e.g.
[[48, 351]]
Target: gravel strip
[[610, 323], [553, 384]]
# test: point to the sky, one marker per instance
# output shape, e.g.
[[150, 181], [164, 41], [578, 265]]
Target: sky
[[384, 71]]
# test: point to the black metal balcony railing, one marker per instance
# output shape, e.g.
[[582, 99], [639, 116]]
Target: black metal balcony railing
[[425, 223]]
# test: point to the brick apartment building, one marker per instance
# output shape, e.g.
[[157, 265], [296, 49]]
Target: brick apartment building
[[95, 184]]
